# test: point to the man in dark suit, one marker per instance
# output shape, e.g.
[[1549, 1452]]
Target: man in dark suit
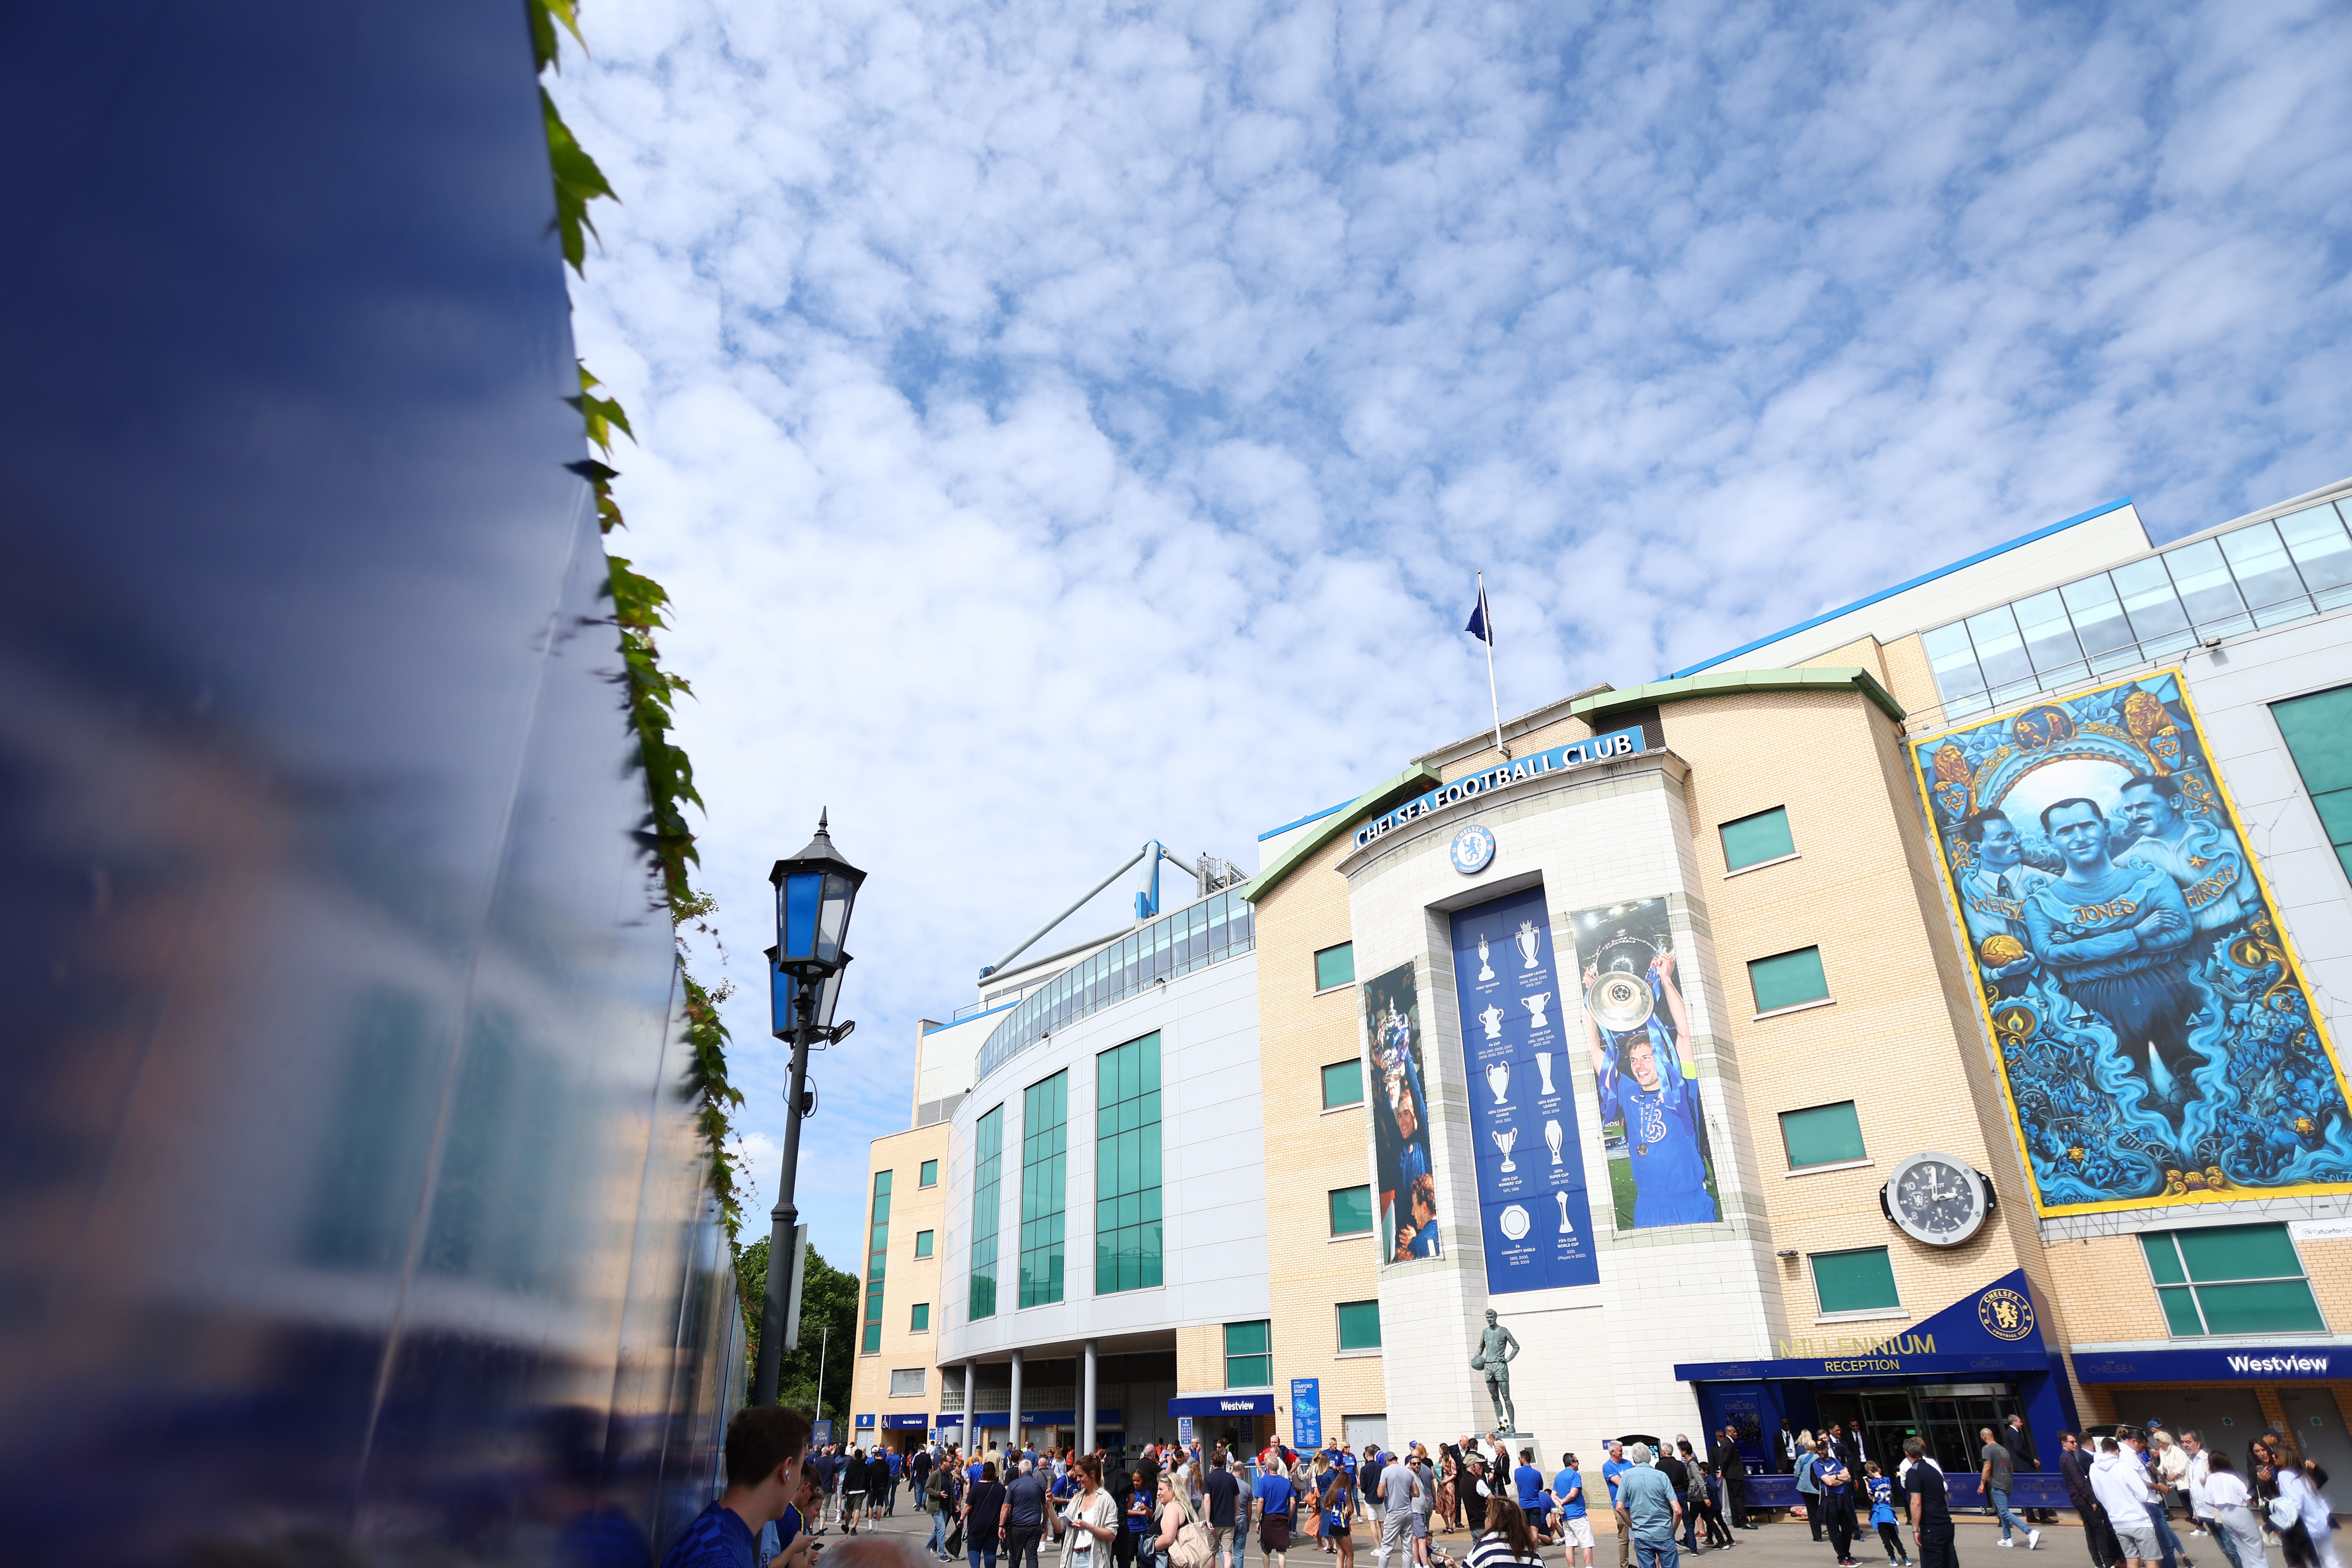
[[1733, 1470]]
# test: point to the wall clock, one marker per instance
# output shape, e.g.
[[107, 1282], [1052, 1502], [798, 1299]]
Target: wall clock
[[1936, 1199]]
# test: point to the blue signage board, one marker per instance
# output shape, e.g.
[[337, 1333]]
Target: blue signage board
[[1996, 1328], [822, 1432], [1222, 1404], [865, 1421], [1305, 1413], [1515, 1046], [1503, 775], [915, 1422], [2257, 1364]]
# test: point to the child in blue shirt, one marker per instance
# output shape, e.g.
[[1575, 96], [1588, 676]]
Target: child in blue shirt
[[1881, 1514]]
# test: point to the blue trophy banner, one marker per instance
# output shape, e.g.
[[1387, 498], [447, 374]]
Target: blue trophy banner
[[1533, 1210], [1305, 1413]]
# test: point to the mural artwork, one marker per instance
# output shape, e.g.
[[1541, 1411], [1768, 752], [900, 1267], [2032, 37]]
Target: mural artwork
[[1645, 1066], [2157, 1044], [1399, 1096]]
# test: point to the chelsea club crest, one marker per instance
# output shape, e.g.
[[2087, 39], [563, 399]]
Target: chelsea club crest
[[1473, 850]]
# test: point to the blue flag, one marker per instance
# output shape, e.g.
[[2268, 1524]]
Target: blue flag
[[1477, 626]]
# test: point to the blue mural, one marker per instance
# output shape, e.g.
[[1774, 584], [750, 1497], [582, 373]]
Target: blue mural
[[2157, 1043]]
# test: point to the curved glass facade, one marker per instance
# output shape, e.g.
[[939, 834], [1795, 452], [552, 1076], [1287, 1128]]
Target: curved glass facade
[[2263, 575], [1217, 928]]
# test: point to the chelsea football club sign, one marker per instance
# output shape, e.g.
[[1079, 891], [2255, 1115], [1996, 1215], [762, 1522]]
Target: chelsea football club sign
[[1474, 849], [1503, 775]]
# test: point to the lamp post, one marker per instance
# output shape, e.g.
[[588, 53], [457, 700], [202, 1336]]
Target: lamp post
[[815, 891]]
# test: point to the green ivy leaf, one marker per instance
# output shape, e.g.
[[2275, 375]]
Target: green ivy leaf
[[544, 14], [578, 182]]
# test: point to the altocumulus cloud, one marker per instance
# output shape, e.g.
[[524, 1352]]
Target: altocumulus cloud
[[1064, 423]]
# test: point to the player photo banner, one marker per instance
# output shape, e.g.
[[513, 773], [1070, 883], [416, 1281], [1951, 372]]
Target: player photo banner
[[2157, 1043], [1407, 1197], [1533, 1207], [1636, 1031]]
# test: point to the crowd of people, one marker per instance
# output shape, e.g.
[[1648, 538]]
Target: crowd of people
[[1173, 1506]]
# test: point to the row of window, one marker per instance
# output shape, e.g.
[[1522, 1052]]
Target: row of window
[[1128, 1228], [2224, 1280], [1249, 1347]]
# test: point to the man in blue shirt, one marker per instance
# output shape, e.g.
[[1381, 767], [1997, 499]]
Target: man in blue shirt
[[1611, 1469], [1277, 1504], [764, 1447], [1656, 1099], [1575, 1529], [1648, 1508], [1530, 1482]]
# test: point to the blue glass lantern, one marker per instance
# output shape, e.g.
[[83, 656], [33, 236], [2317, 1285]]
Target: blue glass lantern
[[815, 891]]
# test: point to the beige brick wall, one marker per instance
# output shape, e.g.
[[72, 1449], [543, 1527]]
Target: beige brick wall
[[906, 1278], [1309, 1152]]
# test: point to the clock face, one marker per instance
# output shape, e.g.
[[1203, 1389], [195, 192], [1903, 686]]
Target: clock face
[[1473, 849], [1936, 1199]]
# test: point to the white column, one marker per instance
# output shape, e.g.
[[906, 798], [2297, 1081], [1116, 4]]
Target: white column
[[970, 1399], [1087, 1401], [1013, 1420]]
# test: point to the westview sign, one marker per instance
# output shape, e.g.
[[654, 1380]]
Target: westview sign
[[1503, 775]]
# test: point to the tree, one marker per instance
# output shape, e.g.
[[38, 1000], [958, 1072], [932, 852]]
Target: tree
[[828, 1300]]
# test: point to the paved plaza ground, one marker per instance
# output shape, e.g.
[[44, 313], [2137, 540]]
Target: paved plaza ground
[[1784, 1544]]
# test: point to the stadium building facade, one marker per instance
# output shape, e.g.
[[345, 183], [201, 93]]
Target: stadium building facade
[[1926, 1013]]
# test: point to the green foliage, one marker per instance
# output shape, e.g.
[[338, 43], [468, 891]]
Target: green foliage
[[828, 1300], [649, 692]]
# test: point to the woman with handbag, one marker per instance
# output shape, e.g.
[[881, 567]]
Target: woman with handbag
[[1449, 1509], [1180, 1541]]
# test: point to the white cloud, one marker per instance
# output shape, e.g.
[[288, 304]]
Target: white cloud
[[1064, 423]]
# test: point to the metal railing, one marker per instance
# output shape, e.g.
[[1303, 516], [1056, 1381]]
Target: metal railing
[[1219, 927], [2264, 574]]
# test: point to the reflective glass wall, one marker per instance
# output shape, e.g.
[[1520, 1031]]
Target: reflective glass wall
[[2263, 575], [350, 1209]]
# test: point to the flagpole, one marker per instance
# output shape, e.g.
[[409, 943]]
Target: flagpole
[[1487, 611]]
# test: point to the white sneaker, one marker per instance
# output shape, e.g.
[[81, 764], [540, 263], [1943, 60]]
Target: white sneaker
[[2004, 1540], [2032, 1538]]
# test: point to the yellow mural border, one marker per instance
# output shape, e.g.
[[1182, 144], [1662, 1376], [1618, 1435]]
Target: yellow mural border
[[1976, 979]]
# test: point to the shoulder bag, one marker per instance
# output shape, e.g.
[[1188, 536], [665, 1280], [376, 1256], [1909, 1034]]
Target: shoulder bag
[[1190, 1548]]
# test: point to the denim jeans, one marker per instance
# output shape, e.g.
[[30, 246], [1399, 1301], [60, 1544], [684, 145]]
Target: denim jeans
[[937, 1545], [2167, 1542], [1652, 1554], [2001, 1509], [981, 1559]]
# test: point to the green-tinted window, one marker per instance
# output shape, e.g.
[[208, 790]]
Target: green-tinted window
[[1352, 1211], [877, 1255], [930, 1174], [1858, 1282], [1249, 1354], [1127, 1167], [1787, 979], [1822, 1135], [918, 1322], [2318, 732], [1045, 1152], [987, 1170], [922, 1244], [1752, 840], [2231, 1279], [1343, 1084], [1335, 966], [1360, 1325]]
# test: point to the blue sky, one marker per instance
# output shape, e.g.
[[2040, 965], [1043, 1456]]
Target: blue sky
[[1068, 424]]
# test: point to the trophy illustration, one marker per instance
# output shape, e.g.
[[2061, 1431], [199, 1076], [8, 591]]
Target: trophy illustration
[[1543, 1066], [1498, 1079], [1505, 1141], [1531, 942], [1535, 1006], [1555, 1138], [1485, 970], [1565, 1229], [1493, 1018]]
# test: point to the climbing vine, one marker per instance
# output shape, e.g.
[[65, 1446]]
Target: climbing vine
[[640, 608]]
